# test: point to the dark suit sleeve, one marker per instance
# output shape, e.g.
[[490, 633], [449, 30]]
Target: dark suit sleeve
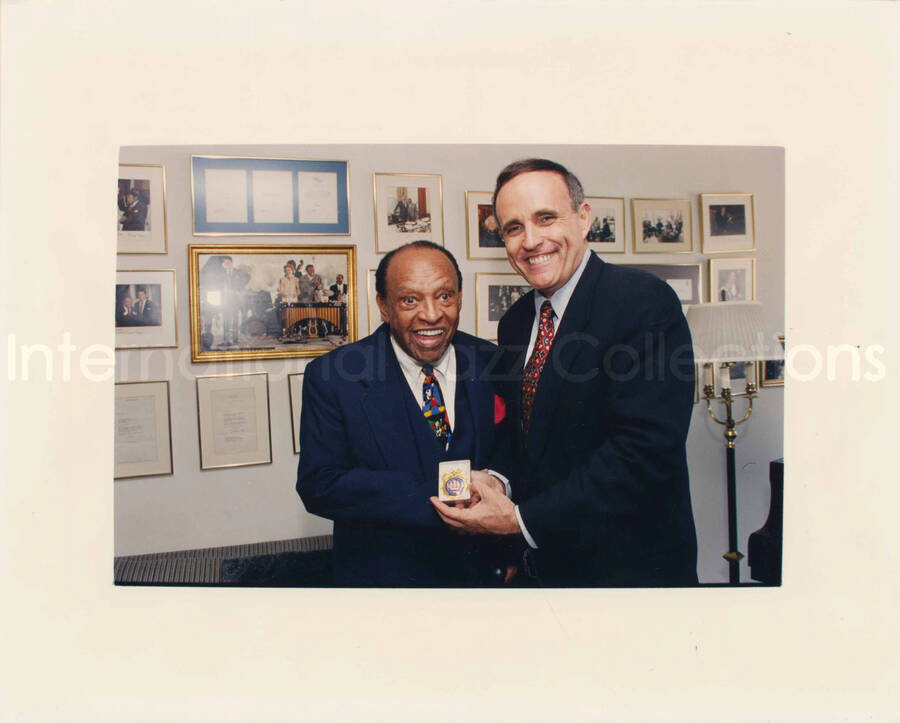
[[645, 412], [341, 475]]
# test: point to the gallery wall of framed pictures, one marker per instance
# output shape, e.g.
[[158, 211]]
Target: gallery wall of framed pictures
[[185, 214]]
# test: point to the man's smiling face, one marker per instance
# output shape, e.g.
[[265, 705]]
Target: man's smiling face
[[423, 302], [545, 237]]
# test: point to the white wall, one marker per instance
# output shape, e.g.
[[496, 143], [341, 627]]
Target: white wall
[[195, 508]]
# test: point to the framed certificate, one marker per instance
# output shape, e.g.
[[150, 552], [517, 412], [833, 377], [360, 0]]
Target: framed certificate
[[233, 419], [141, 209], [269, 196], [685, 279], [408, 207], [143, 434]]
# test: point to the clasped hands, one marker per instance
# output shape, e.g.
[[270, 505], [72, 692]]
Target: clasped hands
[[487, 511]]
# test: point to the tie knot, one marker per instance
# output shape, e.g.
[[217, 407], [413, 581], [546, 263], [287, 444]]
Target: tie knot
[[427, 370], [546, 309]]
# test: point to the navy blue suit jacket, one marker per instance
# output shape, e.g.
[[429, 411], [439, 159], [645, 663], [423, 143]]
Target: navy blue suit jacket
[[369, 462], [602, 480]]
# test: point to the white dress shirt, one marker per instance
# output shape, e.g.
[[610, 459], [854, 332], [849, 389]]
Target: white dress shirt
[[559, 300]]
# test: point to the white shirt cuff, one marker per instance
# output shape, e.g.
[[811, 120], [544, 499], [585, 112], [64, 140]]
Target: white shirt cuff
[[524, 529], [503, 480]]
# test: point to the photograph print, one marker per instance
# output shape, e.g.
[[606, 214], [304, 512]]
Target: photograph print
[[732, 279], [408, 207], [140, 209], [144, 311], [482, 230], [494, 294], [727, 222], [661, 226], [607, 232], [266, 302]]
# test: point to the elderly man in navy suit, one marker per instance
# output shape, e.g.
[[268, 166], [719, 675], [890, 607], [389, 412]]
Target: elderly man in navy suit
[[599, 403], [370, 454]]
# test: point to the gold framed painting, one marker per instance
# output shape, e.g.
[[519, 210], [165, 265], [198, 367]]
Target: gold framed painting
[[254, 301], [408, 207], [661, 225]]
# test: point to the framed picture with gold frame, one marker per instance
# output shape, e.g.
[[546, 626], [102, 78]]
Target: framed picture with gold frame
[[143, 434], [483, 240], [607, 232], [371, 302], [408, 207], [295, 393], [661, 225], [233, 420], [494, 294], [771, 372], [726, 222], [732, 279], [254, 301], [141, 202], [145, 313], [251, 196]]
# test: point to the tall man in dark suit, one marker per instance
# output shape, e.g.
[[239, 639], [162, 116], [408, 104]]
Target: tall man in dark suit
[[370, 457], [599, 408]]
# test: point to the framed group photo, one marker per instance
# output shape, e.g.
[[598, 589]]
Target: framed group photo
[[732, 279], [726, 222], [494, 294], [145, 309], [143, 430], [661, 225], [685, 279], [607, 232], [408, 207], [483, 240], [141, 209], [237, 196], [268, 302], [233, 420]]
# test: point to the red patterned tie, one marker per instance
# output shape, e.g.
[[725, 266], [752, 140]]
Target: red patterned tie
[[536, 363]]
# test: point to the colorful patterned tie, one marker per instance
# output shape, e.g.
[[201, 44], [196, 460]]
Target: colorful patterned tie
[[536, 363], [433, 407]]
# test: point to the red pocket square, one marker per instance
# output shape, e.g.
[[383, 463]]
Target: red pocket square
[[499, 409]]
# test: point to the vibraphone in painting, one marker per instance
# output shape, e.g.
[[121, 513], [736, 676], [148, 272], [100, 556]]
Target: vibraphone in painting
[[310, 310]]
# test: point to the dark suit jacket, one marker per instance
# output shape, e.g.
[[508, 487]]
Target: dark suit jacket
[[602, 481], [369, 462], [337, 290]]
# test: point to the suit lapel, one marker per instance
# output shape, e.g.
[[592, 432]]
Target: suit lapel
[[478, 403], [389, 399], [567, 345]]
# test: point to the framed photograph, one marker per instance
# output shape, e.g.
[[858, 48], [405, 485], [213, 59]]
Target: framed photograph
[[685, 279], [408, 207], [371, 302], [607, 233], [141, 204], [726, 222], [732, 279], [494, 294], [143, 436], [482, 231], [270, 302], [145, 309], [661, 225], [295, 391], [771, 372], [233, 419], [232, 196]]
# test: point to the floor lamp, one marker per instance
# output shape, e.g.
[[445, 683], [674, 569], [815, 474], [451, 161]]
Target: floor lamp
[[725, 333]]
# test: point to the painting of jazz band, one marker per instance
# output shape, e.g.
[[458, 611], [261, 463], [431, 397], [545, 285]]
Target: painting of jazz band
[[254, 301]]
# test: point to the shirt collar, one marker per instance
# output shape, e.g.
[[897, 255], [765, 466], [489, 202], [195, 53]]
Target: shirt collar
[[413, 367], [560, 298]]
